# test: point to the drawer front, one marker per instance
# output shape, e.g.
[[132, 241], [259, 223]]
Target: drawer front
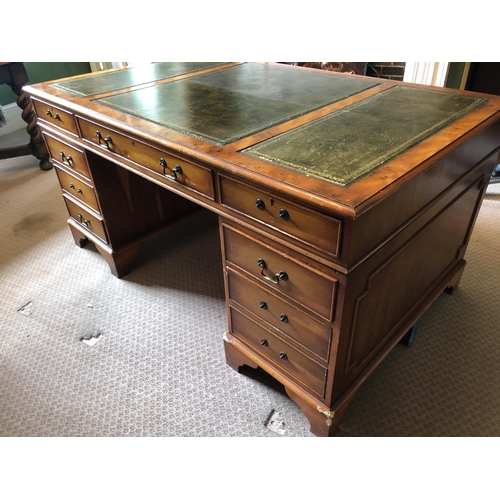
[[299, 282], [173, 170], [87, 219], [77, 188], [55, 116], [279, 353], [73, 158], [301, 327], [308, 227]]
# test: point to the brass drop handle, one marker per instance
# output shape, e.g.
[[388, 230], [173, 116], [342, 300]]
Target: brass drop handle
[[56, 116], [64, 158], [107, 140], [176, 170], [282, 275], [86, 222]]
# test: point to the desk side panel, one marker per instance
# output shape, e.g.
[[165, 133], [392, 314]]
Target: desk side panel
[[388, 292], [394, 212]]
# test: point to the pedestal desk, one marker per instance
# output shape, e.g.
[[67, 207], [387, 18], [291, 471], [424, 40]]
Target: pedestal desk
[[345, 203]]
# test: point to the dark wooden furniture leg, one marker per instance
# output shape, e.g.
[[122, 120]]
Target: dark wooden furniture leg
[[14, 75], [409, 337], [119, 261]]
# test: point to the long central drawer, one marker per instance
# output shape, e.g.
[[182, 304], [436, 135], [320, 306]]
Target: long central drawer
[[173, 170]]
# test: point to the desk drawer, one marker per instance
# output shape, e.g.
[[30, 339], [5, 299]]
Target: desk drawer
[[74, 159], [55, 116], [86, 218], [301, 327], [308, 227], [172, 169], [280, 272], [77, 188], [278, 352]]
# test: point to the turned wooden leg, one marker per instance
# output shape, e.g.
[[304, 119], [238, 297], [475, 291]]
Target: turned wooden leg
[[37, 144]]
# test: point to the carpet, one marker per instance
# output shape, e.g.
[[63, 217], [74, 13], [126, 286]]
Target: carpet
[[85, 354]]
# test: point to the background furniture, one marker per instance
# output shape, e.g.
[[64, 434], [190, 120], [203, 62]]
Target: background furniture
[[14, 75], [345, 203], [355, 68], [485, 77]]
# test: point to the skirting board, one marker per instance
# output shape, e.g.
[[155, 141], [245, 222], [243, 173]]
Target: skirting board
[[14, 119]]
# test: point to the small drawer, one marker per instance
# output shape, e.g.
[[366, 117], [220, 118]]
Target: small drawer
[[87, 219], [310, 333], [55, 116], [280, 272], [173, 170], [72, 158], [303, 225], [77, 188], [289, 360]]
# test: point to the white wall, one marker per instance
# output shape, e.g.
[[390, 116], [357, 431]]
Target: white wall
[[14, 120]]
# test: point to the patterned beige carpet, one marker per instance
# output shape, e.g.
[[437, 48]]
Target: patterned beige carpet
[[158, 368]]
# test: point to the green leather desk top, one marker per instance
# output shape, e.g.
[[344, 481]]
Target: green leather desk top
[[101, 83], [350, 143], [225, 105]]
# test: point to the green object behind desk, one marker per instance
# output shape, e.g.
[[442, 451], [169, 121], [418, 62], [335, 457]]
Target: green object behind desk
[[42, 72]]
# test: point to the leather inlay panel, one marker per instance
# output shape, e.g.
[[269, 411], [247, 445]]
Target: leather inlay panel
[[100, 83], [354, 141], [226, 105]]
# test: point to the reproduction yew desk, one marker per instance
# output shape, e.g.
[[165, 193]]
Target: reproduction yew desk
[[345, 203]]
